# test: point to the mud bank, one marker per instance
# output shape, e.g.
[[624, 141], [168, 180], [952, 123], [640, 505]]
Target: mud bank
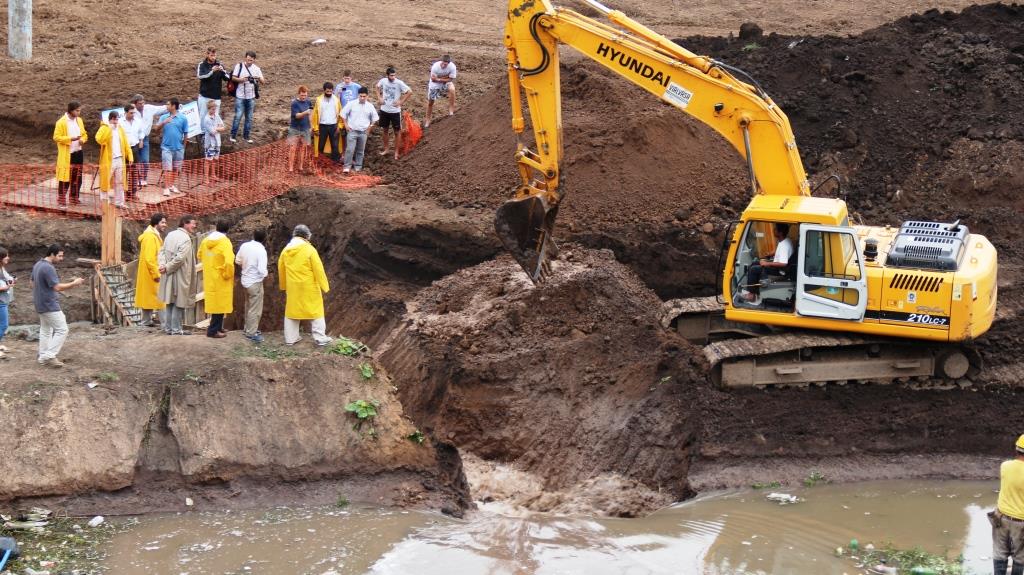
[[138, 419]]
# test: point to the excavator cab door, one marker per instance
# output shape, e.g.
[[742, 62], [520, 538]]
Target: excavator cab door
[[830, 274]]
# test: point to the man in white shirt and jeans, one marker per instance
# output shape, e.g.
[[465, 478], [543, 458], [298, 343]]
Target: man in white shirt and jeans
[[248, 77], [360, 117], [252, 260]]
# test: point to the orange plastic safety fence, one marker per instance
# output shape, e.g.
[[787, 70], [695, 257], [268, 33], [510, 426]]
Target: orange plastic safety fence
[[203, 186], [412, 132]]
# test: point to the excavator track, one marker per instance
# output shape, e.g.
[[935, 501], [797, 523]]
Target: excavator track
[[752, 356]]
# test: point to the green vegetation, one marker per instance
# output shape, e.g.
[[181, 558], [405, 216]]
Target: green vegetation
[[906, 560], [342, 502], [416, 437], [108, 377], [751, 47], [814, 478], [348, 347], [193, 377], [365, 411], [767, 485], [366, 370]]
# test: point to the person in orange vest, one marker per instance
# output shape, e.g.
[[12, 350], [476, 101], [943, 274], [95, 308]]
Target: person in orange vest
[[1008, 516]]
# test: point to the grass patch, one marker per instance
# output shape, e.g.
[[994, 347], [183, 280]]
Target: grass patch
[[348, 347], [814, 478], [766, 485], [906, 560], [342, 502], [751, 47], [108, 377], [416, 437]]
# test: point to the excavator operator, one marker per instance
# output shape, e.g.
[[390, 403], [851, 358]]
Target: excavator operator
[[775, 266]]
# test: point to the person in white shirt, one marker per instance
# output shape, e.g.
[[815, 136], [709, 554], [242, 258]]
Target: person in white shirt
[[252, 260], [441, 85], [144, 114], [391, 94], [774, 266], [248, 77], [360, 117], [131, 124]]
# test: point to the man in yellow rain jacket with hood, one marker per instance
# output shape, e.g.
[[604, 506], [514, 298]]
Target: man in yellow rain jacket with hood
[[304, 282], [115, 155], [147, 276], [69, 133], [218, 261]]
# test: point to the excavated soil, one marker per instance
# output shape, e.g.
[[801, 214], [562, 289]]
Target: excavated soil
[[573, 382]]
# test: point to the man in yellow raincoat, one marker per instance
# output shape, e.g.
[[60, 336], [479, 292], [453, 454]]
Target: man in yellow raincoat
[[115, 155], [218, 261], [70, 135], [147, 276], [304, 282], [327, 123]]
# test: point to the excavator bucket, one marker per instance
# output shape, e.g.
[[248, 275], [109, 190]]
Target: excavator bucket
[[525, 226]]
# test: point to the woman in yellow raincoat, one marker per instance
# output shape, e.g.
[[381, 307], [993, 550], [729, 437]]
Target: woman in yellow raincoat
[[302, 278], [218, 261], [113, 143], [69, 133], [147, 276]]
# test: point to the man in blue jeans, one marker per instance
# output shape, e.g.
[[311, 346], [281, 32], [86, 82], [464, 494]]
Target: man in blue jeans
[[172, 145], [248, 77], [360, 117]]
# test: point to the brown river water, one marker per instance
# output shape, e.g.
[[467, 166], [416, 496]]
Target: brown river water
[[734, 532]]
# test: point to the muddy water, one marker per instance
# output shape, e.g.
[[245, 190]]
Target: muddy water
[[723, 533]]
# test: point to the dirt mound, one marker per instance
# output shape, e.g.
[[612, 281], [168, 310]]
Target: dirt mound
[[628, 158], [917, 116], [569, 380]]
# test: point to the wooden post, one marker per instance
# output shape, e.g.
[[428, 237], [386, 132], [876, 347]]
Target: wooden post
[[19, 29], [110, 235]]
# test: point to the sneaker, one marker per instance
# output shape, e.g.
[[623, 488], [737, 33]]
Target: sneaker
[[232, 140], [249, 141], [217, 335], [255, 338], [357, 169], [53, 362], [175, 189], [345, 171], [167, 192], [143, 183], [3, 348]]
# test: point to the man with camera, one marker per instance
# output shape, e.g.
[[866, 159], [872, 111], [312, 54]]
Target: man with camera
[[248, 78], [212, 76]]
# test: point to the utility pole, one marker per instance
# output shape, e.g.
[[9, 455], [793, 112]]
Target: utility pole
[[19, 29]]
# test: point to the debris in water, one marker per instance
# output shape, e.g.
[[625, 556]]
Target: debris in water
[[783, 498], [189, 502]]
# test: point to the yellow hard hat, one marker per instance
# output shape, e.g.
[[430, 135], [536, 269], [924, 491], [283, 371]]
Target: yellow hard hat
[[1020, 443]]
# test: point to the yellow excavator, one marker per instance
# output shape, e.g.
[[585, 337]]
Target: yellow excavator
[[814, 298]]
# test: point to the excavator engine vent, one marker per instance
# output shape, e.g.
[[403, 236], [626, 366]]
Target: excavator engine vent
[[928, 246], [916, 283]]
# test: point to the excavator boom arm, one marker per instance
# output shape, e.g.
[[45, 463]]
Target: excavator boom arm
[[707, 90]]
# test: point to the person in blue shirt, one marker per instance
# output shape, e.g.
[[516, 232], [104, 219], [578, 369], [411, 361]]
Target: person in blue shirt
[[172, 144], [347, 91], [299, 129]]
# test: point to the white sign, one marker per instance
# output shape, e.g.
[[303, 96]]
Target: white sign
[[106, 113], [191, 112], [677, 95]]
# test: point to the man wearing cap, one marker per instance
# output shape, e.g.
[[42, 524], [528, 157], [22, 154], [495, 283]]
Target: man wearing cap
[[1008, 517], [441, 85], [302, 278], [391, 94]]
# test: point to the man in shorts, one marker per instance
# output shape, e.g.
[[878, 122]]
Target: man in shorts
[[299, 128], [172, 144], [441, 85], [391, 94], [212, 126]]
